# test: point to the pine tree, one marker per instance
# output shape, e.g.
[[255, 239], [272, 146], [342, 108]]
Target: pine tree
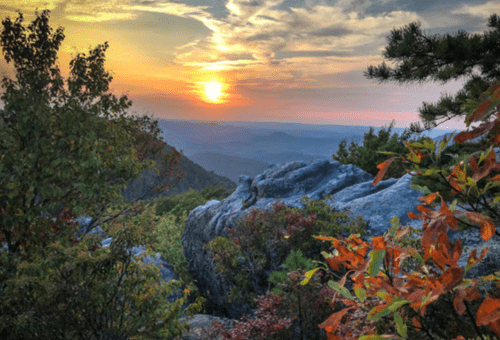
[[443, 58]]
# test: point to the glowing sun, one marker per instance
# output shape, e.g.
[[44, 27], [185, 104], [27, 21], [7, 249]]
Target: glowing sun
[[213, 91]]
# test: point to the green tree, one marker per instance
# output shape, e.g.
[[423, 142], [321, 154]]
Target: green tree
[[443, 58], [368, 156], [67, 149]]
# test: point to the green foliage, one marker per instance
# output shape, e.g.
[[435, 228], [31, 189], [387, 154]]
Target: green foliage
[[89, 292], [218, 192], [368, 156], [178, 204], [295, 260], [187, 201], [67, 149], [167, 236], [260, 243]]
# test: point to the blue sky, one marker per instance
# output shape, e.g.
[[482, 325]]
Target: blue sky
[[258, 60]]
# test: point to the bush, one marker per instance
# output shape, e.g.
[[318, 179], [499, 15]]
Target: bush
[[176, 205], [167, 235], [67, 149], [368, 155], [430, 298], [260, 243], [218, 193]]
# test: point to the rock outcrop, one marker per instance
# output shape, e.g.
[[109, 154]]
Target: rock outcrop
[[350, 186]]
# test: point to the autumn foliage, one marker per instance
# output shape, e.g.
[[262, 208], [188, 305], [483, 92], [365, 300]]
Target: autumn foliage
[[408, 294]]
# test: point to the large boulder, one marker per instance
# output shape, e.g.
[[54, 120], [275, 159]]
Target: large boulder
[[351, 188]]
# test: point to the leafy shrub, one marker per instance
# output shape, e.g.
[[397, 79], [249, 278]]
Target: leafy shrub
[[187, 201], [260, 243], [291, 311], [368, 155], [267, 324], [167, 235], [431, 299], [308, 304], [176, 205], [85, 291], [215, 193]]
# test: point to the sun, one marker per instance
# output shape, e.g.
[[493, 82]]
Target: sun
[[213, 91]]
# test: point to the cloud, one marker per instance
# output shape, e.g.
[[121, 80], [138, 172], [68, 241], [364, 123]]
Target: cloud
[[484, 10]]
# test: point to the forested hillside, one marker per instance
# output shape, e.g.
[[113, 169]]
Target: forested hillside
[[195, 177]]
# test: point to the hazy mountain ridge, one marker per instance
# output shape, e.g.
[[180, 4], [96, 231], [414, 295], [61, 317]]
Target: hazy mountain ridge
[[231, 149], [229, 166]]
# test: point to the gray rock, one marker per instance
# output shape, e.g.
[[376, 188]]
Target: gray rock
[[351, 188], [378, 204], [288, 182]]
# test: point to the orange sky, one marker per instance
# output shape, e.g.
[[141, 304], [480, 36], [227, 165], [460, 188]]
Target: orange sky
[[260, 60]]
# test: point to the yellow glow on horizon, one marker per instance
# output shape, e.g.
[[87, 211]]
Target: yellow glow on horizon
[[213, 91]]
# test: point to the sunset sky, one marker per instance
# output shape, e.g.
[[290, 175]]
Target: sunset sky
[[257, 60]]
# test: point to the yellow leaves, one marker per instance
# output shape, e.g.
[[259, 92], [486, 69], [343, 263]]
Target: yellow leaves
[[308, 275]]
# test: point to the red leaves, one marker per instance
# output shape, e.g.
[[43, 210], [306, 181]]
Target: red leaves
[[450, 278], [476, 132], [426, 284], [465, 294], [487, 105], [489, 163]]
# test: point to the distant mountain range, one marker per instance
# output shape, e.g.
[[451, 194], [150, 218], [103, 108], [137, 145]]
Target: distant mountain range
[[233, 166], [217, 153], [229, 166], [231, 149]]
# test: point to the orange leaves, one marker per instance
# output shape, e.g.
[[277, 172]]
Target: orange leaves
[[487, 105], [353, 258], [429, 198], [473, 259], [458, 178], [489, 313], [381, 274], [382, 170], [331, 324], [450, 278], [379, 243], [485, 223]]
